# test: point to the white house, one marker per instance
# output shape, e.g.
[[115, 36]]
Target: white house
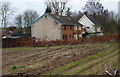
[[90, 24]]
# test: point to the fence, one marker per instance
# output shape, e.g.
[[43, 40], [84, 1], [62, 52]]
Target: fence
[[30, 42]]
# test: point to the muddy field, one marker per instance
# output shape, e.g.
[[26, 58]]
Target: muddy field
[[35, 61]]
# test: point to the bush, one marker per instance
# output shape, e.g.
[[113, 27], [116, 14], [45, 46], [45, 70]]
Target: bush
[[30, 42]]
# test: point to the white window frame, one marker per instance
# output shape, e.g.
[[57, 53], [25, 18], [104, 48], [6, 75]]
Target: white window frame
[[80, 35], [75, 36], [80, 28], [75, 27]]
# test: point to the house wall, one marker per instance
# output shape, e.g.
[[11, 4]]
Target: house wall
[[46, 29], [77, 33], [87, 23], [67, 34], [71, 32]]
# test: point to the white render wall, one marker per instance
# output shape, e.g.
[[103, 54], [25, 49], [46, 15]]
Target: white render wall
[[87, 23], [46, 29]]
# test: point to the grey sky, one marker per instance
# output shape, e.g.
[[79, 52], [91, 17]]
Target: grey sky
[[76, 5]]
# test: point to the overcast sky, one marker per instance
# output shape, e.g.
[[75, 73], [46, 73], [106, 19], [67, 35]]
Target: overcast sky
[[76, 5]]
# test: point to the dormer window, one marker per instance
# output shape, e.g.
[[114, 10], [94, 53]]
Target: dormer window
[[55, 23], [46, 17]]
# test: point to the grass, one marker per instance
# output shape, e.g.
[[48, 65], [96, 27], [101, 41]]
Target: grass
[[22, 48], [83, 67], [16, 68], [99, 68], [67, 66]]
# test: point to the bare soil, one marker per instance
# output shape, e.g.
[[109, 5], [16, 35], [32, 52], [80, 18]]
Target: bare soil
[[41, 60]]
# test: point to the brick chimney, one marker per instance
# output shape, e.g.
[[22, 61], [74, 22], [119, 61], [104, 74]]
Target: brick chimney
[[57, 13], [94, 14], [85, 13]]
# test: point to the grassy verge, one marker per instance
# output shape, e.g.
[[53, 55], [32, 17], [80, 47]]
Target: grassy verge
[[100, 67], [83, 67], [22, 48], [72, 64]]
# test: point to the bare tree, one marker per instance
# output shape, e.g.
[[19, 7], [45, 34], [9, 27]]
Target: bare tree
[[103, 16], [77, 15], [94, 6], [57, 4], [29, 17], [5, 12], [19, 21]]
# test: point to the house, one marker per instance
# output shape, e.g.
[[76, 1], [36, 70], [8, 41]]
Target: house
[[56, 27], [91, 24], [6, 33], [9, 32]]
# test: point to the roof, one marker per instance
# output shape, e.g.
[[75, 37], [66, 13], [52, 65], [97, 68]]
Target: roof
[[63, 20], [94, 20], [21, 35]]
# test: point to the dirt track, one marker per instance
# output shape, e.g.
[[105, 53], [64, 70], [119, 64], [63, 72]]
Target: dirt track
[[40, 60]]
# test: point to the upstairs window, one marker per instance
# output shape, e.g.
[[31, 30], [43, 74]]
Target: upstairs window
[[70, 27], [64, 27], [79, 27], [55, 23], [45, 17], [75, 27]]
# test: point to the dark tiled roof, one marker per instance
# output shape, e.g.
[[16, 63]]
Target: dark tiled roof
[[94, 20], [21, 35], [64, 20]]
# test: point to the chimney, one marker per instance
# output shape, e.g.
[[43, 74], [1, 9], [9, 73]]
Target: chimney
[[85, 13], [94, 14], [57, 13], [48, 10]]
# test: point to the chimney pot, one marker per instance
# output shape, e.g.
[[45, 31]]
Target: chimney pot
[[57, 13], [94, 13], [85, 13]]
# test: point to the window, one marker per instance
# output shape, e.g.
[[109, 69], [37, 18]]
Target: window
[[45, 17], [80, 35], [75, 27], [87, 27], [70, 27], [55, 23], [75, 36], [63, 36], [64, 27], [79, 27], [70, 36]]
